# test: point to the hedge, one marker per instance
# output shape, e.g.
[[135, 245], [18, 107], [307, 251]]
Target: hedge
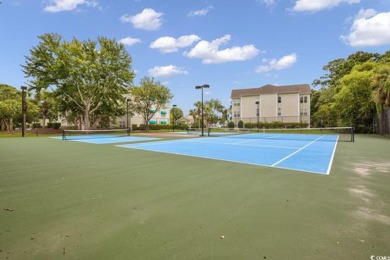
[[276, 125]]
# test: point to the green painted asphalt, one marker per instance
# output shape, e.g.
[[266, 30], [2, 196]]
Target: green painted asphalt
[[71, 200]]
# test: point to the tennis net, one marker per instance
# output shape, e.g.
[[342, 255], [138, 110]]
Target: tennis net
[[94, 134], [340, 134]]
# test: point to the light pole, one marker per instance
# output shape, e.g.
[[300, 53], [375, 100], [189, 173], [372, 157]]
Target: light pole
[[202, 87], [24, 109], [258, 113], [173, 117]]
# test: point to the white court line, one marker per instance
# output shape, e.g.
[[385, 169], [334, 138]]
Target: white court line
[[297, 151], [241, 143], [331, 159]]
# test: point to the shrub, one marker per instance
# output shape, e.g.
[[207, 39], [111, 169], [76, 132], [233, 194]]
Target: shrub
[[240, 124], [54, 125], [231, 124], [36, 125]]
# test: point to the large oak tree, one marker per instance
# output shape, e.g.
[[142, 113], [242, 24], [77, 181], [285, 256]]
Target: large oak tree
[[85, 76]]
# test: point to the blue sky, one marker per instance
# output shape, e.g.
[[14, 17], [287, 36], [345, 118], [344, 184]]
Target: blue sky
[[228, 44]]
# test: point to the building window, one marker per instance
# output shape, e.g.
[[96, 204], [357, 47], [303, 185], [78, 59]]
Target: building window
[[279, 99], [303, 112], [236, 104], [303, 99], [279, 111], [236, 114]]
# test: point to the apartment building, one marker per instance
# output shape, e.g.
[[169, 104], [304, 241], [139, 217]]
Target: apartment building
[[271, 103], [161, 117]]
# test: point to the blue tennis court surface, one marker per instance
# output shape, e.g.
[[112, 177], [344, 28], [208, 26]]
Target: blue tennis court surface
[[312, 154], [104, 139]]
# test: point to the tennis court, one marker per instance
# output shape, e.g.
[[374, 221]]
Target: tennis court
[[309, 153], [74, 200]]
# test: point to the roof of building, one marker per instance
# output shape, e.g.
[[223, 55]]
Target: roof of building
[[271, 89], [185, 119]]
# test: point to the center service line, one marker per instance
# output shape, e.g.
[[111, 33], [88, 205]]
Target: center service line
[[297, 151]]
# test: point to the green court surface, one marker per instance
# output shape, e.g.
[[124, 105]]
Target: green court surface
[[73, 200]]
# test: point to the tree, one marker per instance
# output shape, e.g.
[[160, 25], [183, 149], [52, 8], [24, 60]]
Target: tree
[[324, 107], [176, 113], [10, 106], [353, 104], [86, 77], [381, 86], [214, 109], [151, 96], [341, 67], [48, 106]]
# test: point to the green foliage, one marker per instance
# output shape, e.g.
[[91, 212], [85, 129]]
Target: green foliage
[[36, 125], [353, 103], [240, 124], [149, 98], [354, 91], [159, 127], [89, 78], [213, 113], [231, 124], [10, 107], [276, 125], [54, 125], [175, 114]]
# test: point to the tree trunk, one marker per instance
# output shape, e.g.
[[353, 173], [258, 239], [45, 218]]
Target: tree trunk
[[86, 119], [11, 125]]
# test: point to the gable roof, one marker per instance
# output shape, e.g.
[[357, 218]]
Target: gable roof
[[271, 89]]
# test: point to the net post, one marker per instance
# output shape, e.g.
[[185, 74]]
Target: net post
[[128, 131], [209, 131], [63, 134], [352, 135]]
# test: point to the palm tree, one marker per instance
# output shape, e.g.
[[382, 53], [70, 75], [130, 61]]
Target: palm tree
[[381, 91], [381, 86]]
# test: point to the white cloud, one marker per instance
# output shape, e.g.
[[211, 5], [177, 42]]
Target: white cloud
[[148, 19], [55, 6], [201, 12], [267, 2], [164, 71], [318, 5], [210, 53], [369, 29], [169, 44], [129, 41], [274, 64]]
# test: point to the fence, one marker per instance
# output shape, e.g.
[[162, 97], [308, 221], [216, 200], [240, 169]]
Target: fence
[[283, 119]]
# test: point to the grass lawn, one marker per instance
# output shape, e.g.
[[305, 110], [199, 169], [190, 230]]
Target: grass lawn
[[71, 200]]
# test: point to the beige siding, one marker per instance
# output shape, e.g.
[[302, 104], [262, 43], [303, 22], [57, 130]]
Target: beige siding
[[268, 105], [248, 106], [289, 104], [294, 106]]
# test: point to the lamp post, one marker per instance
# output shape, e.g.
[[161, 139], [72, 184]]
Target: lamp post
[[173, 117], [202, 87], [24, 109], [258, 113]]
